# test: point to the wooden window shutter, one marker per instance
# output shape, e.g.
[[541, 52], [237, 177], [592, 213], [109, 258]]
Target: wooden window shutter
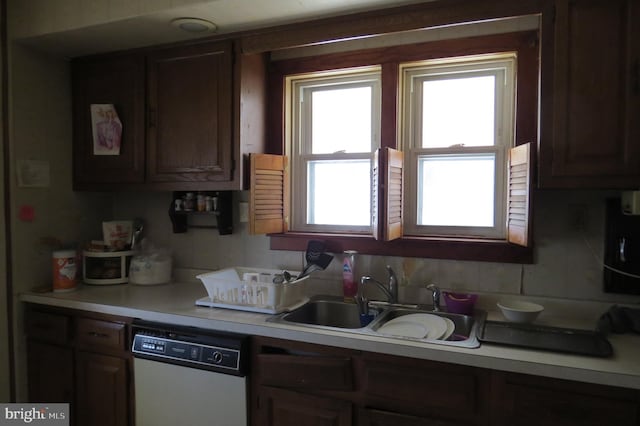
[[388, 186], [520, 193], [269, 194], [376, 196]]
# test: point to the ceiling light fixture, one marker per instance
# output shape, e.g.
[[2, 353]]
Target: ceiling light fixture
[[194, 25]]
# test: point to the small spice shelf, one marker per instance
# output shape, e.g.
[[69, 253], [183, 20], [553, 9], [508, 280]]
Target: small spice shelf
[[220, 211]]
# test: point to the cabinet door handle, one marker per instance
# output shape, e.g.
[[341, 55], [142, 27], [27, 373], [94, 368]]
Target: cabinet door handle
[[96, 334]]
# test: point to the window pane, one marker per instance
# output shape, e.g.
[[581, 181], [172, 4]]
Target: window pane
[[458, 111], [341, 120], [339, 192], [456, 190]]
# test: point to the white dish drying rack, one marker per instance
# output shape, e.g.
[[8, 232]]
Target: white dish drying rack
[[252, 289]]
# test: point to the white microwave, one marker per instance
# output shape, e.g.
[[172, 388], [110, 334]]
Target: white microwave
[[106, 268]]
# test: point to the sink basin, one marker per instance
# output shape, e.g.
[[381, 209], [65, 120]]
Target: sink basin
[[464, 324], [332, 313], [326, 313]]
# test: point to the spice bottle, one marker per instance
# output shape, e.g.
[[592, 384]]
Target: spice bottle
[[200, 202]]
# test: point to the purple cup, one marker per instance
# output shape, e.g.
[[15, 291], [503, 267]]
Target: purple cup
[[460, 303]]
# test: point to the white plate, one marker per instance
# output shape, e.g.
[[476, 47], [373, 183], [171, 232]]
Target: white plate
[[404, 329], [436, 326], [450, 329]]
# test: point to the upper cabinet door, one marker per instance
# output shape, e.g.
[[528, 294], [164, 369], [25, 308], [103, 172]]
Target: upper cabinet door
[[590, 95], [189, 116], [117, 81]]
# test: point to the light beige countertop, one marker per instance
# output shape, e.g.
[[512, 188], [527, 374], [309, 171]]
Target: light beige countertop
[[175, 304]]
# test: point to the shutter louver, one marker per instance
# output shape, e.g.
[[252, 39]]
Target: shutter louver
[[269, 194], [375, 197], [519, 191], [387, 192], [394, 193]]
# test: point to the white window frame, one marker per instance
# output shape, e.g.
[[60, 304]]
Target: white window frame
[[299, 144], [502, 65]]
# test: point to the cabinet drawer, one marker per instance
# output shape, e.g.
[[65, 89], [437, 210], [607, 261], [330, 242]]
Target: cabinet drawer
[[368, 417], [48, 327], [104, 334], [302, 371]]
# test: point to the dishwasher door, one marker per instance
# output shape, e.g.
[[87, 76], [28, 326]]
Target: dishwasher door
[[171, 395]]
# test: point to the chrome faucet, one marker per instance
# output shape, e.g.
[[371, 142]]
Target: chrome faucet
[[390, 290], [435, 295]]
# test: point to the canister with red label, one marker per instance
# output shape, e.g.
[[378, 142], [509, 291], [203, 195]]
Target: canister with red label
[[65, 270]]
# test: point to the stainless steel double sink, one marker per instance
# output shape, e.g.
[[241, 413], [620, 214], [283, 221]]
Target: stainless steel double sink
[[332, 313]]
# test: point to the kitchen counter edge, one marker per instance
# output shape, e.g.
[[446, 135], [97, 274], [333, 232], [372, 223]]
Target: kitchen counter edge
[[620, 370]]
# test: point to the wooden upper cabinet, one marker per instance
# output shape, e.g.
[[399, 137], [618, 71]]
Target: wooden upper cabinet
[[590, 94], [118, 81], [190, 113]]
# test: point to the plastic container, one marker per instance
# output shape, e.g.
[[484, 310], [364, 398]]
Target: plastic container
[[460, 303], [65, 270], [349, 279], [252, 289], [150, 269]]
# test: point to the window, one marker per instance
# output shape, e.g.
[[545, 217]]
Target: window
[[458, 123], [416, 141], [334, 130]]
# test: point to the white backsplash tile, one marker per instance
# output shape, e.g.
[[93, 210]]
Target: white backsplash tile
[[565, 267]]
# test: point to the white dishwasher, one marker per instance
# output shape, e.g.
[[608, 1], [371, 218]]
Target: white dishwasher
[[188, 376]]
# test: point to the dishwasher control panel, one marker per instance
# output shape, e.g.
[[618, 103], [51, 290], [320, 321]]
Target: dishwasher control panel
[[199, 351]]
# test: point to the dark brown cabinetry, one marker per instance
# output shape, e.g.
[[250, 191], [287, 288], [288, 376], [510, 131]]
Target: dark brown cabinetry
[[444, 394], [368, 417], [521, 400], [81, 359], [102, 397], [333, 386], [283, 407], [50, 372], [189, 107], [117, 80], [189, 113], [298, 383], [590, 94]]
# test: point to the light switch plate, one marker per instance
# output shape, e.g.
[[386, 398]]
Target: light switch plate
[[244, 212]]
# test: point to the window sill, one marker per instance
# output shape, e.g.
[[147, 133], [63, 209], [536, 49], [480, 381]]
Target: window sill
[[434, 248]]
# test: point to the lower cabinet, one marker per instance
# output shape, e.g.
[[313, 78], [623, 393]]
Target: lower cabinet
[[101, 385], [433, 393], [82, 359], [523, 400], [296, 383], [288, 408], [369, 417], [50, 372]]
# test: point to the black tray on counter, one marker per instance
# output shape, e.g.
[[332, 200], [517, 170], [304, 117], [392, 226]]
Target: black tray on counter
[[581, 342]]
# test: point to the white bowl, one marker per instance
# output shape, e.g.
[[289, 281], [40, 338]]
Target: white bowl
[[518, 311]]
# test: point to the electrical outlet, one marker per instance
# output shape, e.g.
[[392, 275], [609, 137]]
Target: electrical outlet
[[578, 217], [244, 212]]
